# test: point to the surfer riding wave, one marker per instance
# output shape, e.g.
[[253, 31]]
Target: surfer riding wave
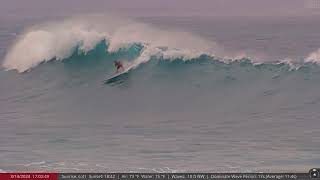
[[119, 66]]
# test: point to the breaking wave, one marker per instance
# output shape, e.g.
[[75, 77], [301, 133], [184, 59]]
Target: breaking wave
[[59, 40]]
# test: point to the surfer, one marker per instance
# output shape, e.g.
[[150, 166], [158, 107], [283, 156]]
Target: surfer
[[119, 66]]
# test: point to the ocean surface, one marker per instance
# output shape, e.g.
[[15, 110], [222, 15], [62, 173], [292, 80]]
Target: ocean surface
[[203, 94]]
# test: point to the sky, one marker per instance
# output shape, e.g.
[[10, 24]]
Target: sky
[[160, 7]]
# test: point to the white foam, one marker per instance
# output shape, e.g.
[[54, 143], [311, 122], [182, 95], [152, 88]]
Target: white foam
[[314, 57]]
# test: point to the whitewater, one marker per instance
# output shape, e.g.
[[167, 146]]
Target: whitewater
[[203, 94]]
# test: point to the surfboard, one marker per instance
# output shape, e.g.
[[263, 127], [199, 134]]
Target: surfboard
[[118, 75]]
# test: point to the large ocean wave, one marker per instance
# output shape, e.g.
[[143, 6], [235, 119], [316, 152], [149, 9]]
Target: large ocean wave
[[60, 40]]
